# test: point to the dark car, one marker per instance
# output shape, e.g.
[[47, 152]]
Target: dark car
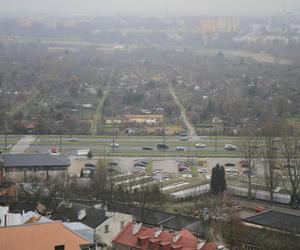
[[229, 165], [162, 146], [147, 148]]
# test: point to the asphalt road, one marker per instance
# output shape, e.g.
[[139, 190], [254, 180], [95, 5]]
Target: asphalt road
[[133, 146]]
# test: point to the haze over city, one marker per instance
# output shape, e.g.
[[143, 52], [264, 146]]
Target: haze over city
[[146, 7], [150, 124]]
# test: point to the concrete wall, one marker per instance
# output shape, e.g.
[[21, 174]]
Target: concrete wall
[[114, 226]]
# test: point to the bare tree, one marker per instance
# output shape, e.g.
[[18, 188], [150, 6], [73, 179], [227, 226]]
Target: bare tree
[[103, 182], [292, 168], [270, 166], [248, 150]]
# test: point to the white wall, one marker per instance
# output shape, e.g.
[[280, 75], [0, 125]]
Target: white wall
[[11, 218], [114, 224]]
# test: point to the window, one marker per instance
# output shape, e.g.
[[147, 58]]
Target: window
[[122, 224], [60, 247], [106, 229]]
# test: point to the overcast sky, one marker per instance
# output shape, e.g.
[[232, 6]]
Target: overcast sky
[[148, 7]]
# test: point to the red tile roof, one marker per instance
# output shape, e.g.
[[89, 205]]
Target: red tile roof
[[209, 246], [186, 241]]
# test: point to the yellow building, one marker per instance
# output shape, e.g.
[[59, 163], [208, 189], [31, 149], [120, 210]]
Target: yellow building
[[227, 24], [150, 119]]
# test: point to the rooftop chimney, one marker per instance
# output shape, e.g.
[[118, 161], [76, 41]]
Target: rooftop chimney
[[157, 232], [136, 227], [176, 237], [81, 214]]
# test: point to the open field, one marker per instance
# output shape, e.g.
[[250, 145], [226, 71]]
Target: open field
[[259, 57]]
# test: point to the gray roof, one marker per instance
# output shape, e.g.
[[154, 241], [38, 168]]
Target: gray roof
[[81, 229], [93, 218], [277, 220], [30, 160]]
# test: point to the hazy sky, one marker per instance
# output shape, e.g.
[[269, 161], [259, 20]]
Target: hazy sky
[[146, 7]]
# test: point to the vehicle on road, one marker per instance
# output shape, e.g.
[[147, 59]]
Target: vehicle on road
[[72, 139], [162, 146], [230, 147], [115, 145], [200, 145], [180, 148], [183, 138], [276, 139], [229, 164], [147, 148]]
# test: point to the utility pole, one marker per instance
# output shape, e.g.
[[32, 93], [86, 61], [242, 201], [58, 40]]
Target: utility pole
[[188, 153], [5, 139], [216, 139], [113, 137], [164, 135], [104, 148], [60, 146]]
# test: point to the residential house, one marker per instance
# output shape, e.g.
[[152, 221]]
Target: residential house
[[106, 225], [154, 218], [19, 168], [149, 119], [37, 236], [9, 217], [136, 236], [267, 230]]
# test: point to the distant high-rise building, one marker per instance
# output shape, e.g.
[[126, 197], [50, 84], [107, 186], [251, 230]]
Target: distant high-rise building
[[226, 24]]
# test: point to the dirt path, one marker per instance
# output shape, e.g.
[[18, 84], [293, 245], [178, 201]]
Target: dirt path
[[98, 114], [190, 127]]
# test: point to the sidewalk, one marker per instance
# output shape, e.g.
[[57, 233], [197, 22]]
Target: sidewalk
[[22, 145]]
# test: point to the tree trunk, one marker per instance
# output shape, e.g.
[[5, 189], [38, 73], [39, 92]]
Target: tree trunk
[[293, 196], [249, 187]]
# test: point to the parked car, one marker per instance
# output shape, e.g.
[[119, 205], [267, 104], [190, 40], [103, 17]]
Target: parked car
[[90, 166], [180, 148], [202, 171], [113, 163], [140, 164], [157, 171], [230, 147], [147, 148], [231, 170], [200, 145], [182, 168], [86, 172], [247, 173], [162, 146], [115, 145]]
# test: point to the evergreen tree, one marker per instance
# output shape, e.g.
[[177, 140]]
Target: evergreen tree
[[218, 181]]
